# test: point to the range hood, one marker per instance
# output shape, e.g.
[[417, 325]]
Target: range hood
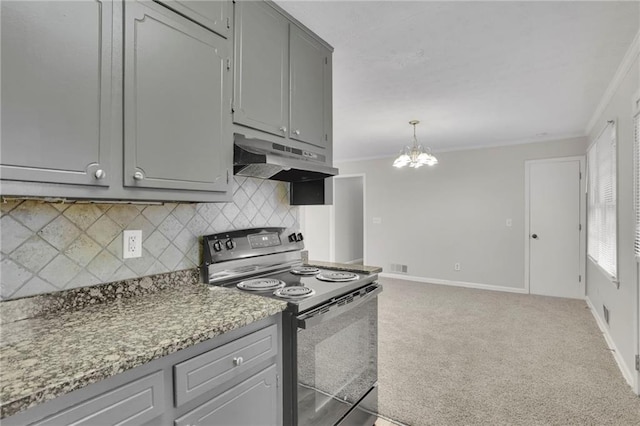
[[268, 160]]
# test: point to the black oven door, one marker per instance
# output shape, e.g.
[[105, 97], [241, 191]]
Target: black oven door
[[337, 358]]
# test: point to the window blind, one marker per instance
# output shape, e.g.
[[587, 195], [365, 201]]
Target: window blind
[[636, 168], [602, 203]]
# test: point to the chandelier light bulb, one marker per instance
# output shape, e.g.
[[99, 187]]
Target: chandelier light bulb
[[415, 155]]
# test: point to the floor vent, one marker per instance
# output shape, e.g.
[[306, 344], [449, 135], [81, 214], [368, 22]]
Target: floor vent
[[396, 267]]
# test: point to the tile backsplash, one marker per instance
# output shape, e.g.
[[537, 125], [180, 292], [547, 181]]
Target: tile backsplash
[[49, 247]]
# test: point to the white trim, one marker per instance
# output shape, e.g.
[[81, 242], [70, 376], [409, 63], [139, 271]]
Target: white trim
[[504, 144], [625, 66], [453, 283], [582, 249], [626, 373], [355, 261]]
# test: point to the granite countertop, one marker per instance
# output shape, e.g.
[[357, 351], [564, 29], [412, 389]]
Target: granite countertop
[[46, 356], [345, 267]]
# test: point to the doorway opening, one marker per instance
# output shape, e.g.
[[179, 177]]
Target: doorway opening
[[337, 233]]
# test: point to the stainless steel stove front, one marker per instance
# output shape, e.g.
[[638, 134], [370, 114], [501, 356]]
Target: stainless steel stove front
[[330, 338], [331, 361]]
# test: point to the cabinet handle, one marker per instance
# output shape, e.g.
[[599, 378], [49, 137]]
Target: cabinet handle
[[296, 132], [283, 129], [138, 176], [238, 361], [100, 174]]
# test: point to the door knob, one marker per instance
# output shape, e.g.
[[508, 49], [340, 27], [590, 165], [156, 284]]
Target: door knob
[[283, 129], [534, 236], [138, 176], [296, 132], [100, 174]]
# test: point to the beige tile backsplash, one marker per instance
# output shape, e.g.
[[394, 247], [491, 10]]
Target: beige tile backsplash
[[54, 246]]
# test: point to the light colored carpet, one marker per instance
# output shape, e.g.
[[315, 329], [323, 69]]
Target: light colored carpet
[[458, 356]]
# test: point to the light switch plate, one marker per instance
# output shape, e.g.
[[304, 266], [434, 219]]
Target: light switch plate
[[131, 244]]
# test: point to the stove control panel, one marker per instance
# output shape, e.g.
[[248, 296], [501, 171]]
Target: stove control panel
[[246, 243]]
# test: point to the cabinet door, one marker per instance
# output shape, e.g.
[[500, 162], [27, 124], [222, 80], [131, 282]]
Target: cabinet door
[[310, 89], [130, 405], [56, 91], [212, 14], [252, 402], [177, 102], [261, 68]]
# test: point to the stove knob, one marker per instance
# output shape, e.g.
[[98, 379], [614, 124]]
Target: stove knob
[[230, 244], [217, 246], [299, 237], [292, 238]]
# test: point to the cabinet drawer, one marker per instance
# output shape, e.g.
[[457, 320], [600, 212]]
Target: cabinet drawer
[[132, 404], [251, 402], [211, 369]]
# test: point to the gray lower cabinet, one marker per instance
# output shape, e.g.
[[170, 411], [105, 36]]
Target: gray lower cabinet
[[131, 404], [56, 91], [253, 402], [283, 79], [232, 379], [177, 132]]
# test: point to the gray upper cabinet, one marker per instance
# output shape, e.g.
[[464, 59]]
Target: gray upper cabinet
[[261, 60], [310, 89], [56, 91], [177, 102], [282, 77], [212, 14]]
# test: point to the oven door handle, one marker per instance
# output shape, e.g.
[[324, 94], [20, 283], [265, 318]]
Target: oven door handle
[[321, 315]]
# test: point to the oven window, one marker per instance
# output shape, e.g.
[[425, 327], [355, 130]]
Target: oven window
[[337, 364]]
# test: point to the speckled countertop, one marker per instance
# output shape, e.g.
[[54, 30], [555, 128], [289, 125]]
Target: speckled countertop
[[54, 353], [345, 267]]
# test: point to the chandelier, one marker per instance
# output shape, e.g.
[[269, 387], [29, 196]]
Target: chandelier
[[416, 155]]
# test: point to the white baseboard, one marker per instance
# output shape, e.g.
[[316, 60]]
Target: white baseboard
[[626, 373], [453, 283], [356, 261]]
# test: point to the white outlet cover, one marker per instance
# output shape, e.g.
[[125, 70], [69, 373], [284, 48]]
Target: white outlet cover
[[377, 220], [509, 222], [131, 244]]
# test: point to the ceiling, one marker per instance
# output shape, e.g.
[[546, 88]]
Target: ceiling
[[475, 73]]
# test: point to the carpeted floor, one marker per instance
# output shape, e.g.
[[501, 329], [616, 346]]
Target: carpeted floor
[[458, 356]]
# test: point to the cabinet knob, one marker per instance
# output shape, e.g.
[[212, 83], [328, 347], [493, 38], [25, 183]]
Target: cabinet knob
[[296, 132], [138, 176], [238, 361], [100, 174], [283, 129]]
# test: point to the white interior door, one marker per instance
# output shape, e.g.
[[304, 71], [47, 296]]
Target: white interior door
[[554, 238]]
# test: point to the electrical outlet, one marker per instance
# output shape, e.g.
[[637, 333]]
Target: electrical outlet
[[377, 220], [509, 223], [131, 244], [456, 266]]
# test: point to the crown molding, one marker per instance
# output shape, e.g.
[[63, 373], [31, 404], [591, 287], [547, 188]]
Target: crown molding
[[504, 144], [632, 53]]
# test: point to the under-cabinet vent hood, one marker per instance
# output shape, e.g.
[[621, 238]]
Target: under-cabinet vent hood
[[267, 160]]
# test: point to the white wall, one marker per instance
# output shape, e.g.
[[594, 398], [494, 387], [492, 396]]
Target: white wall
[[621, 302], [348, 208], [454, 212], [314, 225]]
